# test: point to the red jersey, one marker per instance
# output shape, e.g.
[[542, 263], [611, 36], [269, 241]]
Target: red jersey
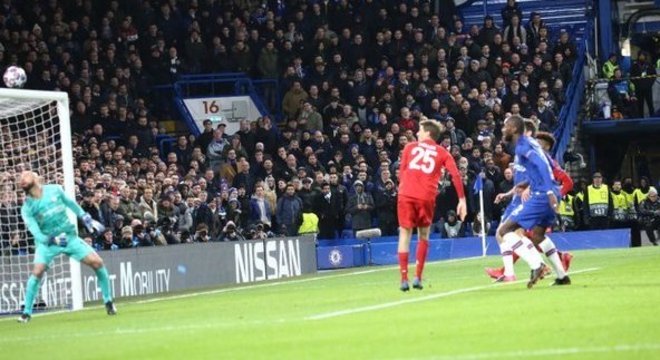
[[562, 178], [421, 167]]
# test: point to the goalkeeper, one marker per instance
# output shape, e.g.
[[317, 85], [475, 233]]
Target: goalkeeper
[[45, 215]]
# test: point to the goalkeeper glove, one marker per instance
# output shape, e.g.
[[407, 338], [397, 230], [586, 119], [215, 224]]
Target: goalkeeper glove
[[92, 225], [59, 240]]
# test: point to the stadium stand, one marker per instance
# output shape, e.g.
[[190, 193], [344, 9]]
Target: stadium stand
[[354, 77]]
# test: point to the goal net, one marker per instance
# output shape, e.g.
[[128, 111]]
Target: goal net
[[34, 135]]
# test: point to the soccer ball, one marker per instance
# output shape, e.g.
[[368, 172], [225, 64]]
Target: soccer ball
[[14, 77]]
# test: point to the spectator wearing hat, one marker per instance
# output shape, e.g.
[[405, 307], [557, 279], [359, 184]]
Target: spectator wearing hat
[[141, 235], [598, 205], [289, 210], [385, 204], [107, 241], [487, 31], [231, 232], [360, 204], [215, 150], [649, 211], [126, 240], [452, 227]]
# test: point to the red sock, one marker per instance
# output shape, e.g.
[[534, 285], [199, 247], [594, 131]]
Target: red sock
[[403, 265], [422, 251], [515, 257]]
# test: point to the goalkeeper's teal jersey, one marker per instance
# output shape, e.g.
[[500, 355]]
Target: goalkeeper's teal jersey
[[47, 217]]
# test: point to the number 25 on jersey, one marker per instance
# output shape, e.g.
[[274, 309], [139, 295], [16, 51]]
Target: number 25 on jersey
[[423, 159]]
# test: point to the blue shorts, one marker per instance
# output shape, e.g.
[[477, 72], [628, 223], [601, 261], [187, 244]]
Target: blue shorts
[[75, 248], [535, 212], [515, 202]]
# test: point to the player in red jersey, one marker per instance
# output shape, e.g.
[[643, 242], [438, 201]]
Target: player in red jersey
[[419, 173], [547, 141]]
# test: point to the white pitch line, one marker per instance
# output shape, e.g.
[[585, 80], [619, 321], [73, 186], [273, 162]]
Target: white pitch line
[[240, 288], [286, 282], [386, 305], [548, 352], [138, 331]]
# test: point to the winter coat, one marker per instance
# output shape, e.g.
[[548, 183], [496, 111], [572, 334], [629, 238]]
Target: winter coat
[[360, 218], [289, 209]]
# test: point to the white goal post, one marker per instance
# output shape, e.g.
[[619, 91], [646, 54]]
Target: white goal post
[[35, 133]]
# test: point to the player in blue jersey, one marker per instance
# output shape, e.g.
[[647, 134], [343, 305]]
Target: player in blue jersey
[[538, 235], [45, 215], [540, 208], [516, 194]]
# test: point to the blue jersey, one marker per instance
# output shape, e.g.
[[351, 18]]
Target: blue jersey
[[47, 216], [531, 164]]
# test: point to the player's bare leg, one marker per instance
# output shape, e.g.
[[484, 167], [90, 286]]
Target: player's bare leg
[[32, 289], [94, 261], [422, 250], [517, 242], [403, 253], [548, 247]]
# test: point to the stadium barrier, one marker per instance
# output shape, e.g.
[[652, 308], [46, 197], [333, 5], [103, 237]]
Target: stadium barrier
[[154, 270], [147, 271], [345, 253]]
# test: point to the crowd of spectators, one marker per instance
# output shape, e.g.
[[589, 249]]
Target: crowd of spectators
[[356, 76]]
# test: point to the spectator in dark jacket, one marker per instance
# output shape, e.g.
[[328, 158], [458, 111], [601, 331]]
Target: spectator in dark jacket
[[385, 200], [329, 209], [289, 210], [360, 205]]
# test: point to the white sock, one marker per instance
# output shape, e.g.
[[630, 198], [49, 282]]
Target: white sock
[[550, 252], [507, 259], [522, 246]]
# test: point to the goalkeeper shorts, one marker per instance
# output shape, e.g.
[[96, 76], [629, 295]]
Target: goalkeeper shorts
[[75, 248]]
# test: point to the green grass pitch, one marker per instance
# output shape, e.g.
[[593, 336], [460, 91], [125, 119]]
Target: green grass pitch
[[610, 312]]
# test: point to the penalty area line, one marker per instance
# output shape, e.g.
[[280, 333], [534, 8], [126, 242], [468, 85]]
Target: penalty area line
[[387, 305]]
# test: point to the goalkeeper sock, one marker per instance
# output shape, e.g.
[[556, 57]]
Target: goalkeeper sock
[[548, 247], [403, 265], [422, 251], [104, 281], [30, 293]]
